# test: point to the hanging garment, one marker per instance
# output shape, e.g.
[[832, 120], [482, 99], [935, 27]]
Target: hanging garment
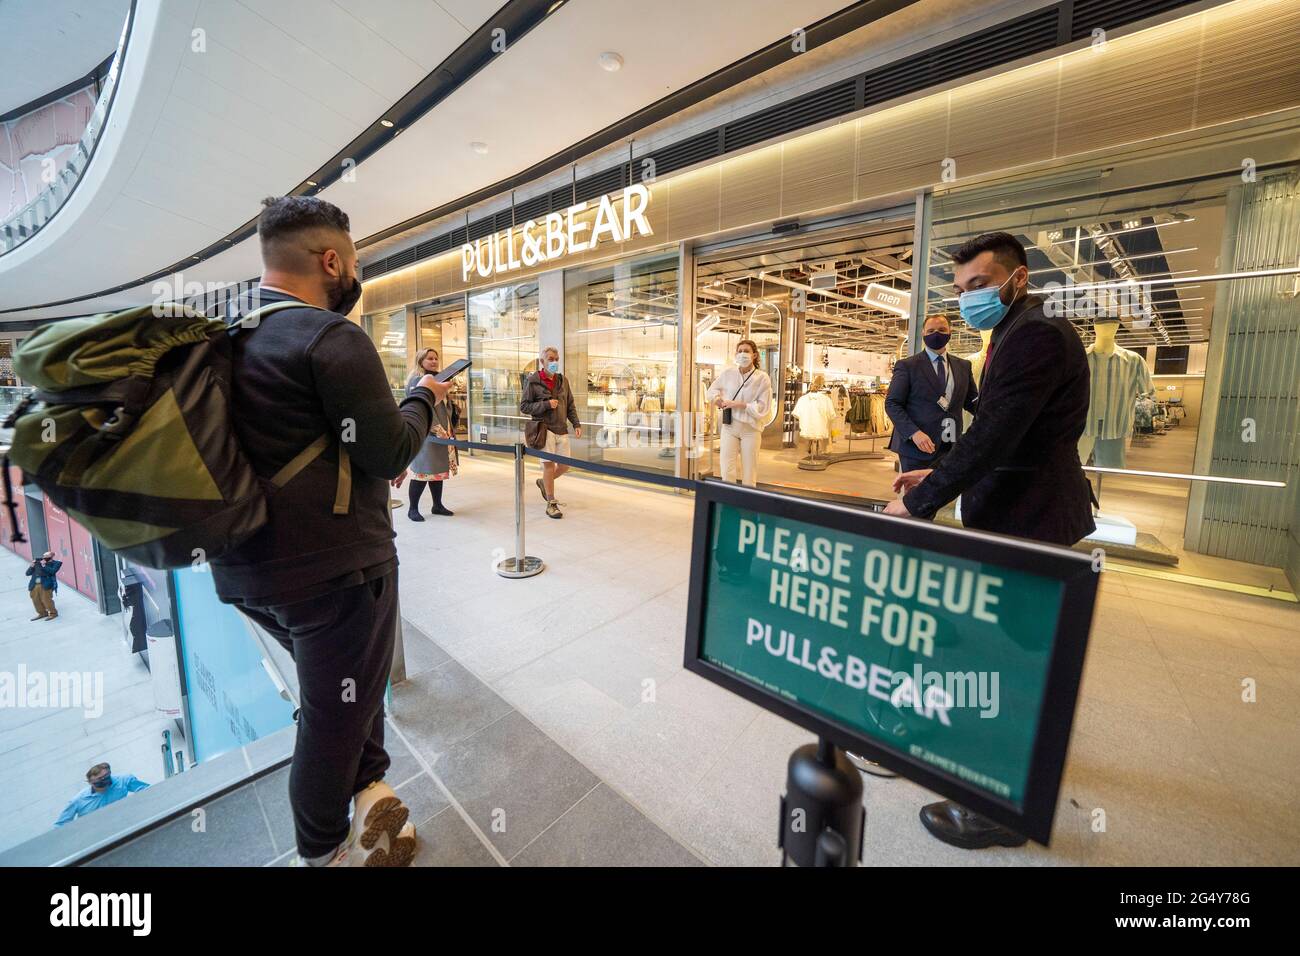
[[1144, 412], [815, 411], [1116, 381], [858, 416], [880, 423]]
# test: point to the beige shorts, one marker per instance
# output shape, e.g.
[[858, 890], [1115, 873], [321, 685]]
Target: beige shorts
[[558, 444]]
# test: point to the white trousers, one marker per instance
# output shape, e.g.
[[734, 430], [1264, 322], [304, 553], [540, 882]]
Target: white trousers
[[742, 442]]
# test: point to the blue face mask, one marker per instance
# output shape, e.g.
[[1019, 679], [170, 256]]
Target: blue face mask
[[982, 309], [552, 367]]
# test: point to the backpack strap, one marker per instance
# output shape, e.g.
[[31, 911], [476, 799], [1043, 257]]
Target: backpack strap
[[343, 489], [253, 318]]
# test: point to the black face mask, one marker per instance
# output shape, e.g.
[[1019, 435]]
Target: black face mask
[[936, 340], [344, 298], [101, 784]]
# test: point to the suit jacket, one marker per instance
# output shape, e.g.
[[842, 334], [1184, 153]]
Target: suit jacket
[[912, 403], [1017, 468]]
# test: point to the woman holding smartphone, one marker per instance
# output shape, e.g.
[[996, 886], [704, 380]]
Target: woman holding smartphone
[[435, 463], [744, 395]]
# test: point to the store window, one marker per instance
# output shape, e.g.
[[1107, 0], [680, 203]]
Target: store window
[[442, 326], [1170, 279], [620, 354], [388, 331], [829, 315], [503, 346]]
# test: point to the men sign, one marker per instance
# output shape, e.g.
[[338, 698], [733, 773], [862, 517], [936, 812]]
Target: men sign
[[949, 656]]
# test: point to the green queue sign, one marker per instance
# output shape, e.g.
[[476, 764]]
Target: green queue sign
[[952, 657]]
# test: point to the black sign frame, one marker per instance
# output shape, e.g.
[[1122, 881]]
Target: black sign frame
[[1065, 666]]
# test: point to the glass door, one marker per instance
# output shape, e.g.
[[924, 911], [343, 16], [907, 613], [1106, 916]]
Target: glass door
[[829, 313], [443, 326]]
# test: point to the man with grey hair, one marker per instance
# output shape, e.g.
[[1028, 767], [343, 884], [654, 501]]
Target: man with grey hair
[[548, 399]]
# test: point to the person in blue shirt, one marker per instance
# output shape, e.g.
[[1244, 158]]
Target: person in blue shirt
[[43, 573], [104, 789]]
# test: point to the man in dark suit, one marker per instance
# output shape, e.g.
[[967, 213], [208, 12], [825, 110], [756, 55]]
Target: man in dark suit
[[926, 396], [1017, 468]]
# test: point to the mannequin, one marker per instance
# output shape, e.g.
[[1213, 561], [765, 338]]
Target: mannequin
[[1119, 376]]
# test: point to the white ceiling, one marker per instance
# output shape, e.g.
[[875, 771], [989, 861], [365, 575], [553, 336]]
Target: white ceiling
[[46, 44], [249, 119]]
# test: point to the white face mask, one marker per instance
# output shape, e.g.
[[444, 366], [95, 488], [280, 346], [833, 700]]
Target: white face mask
[[743, 359]]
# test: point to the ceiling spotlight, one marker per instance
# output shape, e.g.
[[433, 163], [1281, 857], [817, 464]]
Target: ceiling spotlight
[[387, 124], [610, 62], [311, 182], [480, 148]]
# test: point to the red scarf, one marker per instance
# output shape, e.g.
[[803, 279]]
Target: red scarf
[[546, 378]]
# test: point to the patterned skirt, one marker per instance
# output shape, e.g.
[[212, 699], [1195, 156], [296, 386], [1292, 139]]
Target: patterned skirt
[[453, 466]]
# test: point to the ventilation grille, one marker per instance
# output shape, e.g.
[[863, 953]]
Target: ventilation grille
[[680, 155], [1090, 15], [1028, 35], [807, 110], [1034, 33], [599, 184]]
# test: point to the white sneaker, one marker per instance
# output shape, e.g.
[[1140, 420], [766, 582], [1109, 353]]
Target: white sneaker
[[344, 855], [395, 851], [380, 834], [377, 811]]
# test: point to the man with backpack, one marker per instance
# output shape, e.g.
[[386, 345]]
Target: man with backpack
[[321, 575]]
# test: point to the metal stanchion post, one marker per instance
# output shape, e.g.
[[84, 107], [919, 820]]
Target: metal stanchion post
[[522, 565]]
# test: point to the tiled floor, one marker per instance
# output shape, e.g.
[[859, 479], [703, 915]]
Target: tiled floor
[[484, 785]]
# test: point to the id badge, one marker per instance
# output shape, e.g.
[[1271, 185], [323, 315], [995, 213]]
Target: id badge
[[943, 402]]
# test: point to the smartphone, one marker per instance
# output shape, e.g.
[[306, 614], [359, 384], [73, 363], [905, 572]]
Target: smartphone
[[452, 370]]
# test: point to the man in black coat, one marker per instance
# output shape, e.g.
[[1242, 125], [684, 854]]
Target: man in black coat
[[1017, 468], [926, 396]]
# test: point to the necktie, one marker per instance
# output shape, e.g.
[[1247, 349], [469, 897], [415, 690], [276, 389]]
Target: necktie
[[942, 373]]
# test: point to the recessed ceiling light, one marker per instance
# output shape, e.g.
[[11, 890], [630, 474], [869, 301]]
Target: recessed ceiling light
[[480, 148], [386, 123], [610, 62], [311, 182]]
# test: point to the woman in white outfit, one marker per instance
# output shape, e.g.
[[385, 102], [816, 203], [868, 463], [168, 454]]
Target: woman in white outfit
[[744, 393]]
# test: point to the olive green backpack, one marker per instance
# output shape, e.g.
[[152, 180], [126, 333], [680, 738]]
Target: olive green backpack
[[130, 431]]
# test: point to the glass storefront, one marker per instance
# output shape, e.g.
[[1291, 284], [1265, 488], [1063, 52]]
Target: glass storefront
[[829, 314], [503, 346], [388, 331], [621, 324], [1191, 374], [442, 326]]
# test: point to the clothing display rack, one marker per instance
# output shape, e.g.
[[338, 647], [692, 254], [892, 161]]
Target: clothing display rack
[[851, 398]]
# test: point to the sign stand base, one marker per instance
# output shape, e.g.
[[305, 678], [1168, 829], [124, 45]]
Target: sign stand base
[[822, 817]]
